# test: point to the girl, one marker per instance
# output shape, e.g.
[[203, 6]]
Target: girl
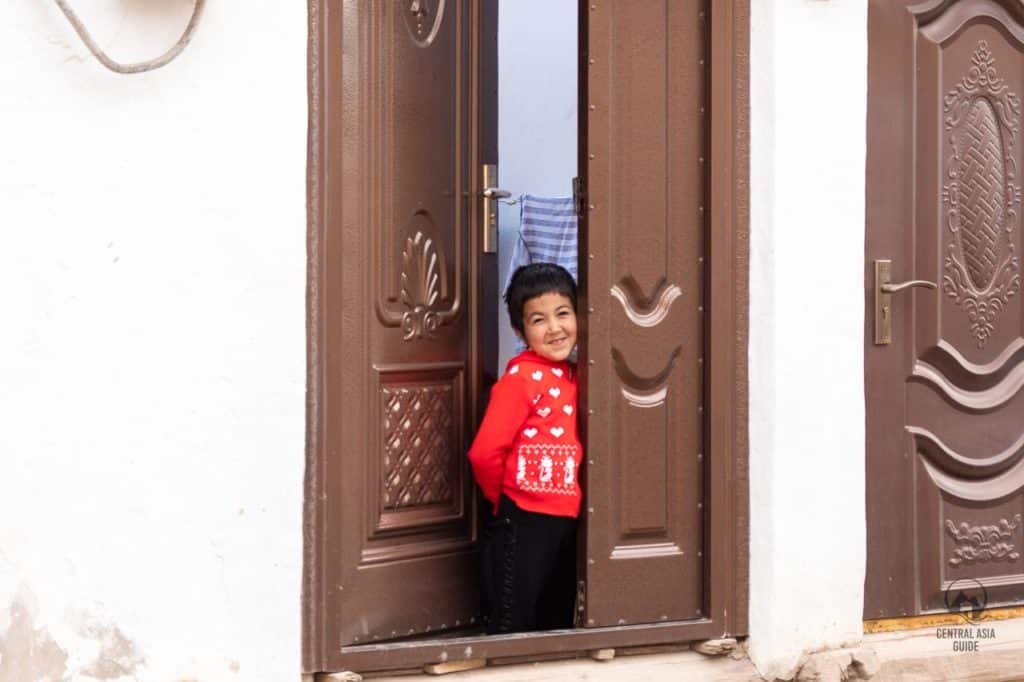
[[526, 459]]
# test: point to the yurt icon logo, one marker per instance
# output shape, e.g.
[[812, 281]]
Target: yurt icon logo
[[968, 597]]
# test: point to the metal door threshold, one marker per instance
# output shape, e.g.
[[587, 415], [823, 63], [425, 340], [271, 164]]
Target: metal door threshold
[[416, 654]]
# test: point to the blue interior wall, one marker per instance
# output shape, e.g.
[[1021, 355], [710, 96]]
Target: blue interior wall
[[537, 78]]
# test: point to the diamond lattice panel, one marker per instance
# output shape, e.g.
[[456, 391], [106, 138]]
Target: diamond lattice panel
[[417, 445]]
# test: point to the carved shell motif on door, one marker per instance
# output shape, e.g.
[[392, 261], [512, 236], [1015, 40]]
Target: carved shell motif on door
[[981, 117], [425, 295], [419, 287]]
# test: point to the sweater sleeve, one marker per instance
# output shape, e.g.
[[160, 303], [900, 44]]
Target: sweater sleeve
[[506, 413]]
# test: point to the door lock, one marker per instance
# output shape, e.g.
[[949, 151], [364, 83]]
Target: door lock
[[884, 289], [489, 218]]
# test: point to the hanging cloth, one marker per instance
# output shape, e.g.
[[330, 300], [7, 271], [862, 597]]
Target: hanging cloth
[[548, 229]]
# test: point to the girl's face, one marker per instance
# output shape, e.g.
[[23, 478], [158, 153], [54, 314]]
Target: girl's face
[[549, 325]]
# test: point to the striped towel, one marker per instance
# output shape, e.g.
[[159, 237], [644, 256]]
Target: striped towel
[[547, 234]]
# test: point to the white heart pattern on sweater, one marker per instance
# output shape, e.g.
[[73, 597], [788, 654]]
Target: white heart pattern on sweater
[[514, 369], [544, 411], [554, 391], [529, 433], [567, 409], [557, 431], [557, 372], [538, 375]]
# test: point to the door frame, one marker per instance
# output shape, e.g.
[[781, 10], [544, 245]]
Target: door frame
[[727, 302]]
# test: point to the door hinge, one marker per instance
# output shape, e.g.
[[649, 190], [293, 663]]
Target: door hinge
[[578, 195], [581, 602]]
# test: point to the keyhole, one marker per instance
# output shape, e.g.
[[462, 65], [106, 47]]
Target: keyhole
[[419, 9]]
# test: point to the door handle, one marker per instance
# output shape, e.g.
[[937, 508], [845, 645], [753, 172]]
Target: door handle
[[491, 193], [884, 289], [893, 288], [496, 193]]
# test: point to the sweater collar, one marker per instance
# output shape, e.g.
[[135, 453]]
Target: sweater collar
[[530, 356]]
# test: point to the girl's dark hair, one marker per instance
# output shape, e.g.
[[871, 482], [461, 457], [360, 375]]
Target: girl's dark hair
[[533, 280]]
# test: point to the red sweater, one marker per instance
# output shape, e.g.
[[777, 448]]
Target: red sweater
[[527, 446]]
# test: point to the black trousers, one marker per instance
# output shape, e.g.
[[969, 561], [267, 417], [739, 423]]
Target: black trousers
[[529, 571]]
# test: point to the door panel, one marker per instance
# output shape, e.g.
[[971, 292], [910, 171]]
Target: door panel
[[644, 277], [945, 427], [405, 364]]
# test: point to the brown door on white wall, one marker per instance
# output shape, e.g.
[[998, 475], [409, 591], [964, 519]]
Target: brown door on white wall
[[944, 345], [403, 322], [408, 353]]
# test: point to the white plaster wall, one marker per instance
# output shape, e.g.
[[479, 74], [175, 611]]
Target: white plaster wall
[[808, 96], [537, 73], [152, 276]]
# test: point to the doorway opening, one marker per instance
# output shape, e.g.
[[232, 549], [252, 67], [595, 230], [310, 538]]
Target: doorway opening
[[407, 330], [538, 122]]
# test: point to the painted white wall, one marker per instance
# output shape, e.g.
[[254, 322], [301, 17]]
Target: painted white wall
[[537, 73], [808, 94], [152, 276]]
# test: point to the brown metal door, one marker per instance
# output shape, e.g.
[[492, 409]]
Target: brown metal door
[[406, 361], [945, 410], [643, 275]]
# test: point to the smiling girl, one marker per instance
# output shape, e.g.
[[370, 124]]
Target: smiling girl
[[526, 459]]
